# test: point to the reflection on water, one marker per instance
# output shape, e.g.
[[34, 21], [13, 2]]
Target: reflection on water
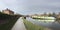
[[52, 25]]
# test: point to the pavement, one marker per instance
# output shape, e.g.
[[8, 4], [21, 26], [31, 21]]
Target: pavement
[[19, 25]]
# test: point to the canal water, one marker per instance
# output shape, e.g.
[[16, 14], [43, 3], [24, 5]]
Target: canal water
[[52, 25]]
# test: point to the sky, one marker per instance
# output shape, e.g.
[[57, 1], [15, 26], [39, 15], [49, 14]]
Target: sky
[[31, 6]]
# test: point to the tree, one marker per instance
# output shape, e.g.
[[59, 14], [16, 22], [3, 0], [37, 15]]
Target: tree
[[49, 14], [54, 14], [59, 13], [45, 14]]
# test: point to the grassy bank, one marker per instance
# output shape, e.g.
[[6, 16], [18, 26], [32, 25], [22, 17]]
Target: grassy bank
[[31, 26]]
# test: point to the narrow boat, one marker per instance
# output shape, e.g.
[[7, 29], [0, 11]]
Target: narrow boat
[[44, 18]]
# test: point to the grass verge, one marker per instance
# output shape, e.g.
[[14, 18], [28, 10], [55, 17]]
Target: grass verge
[[31, 26]]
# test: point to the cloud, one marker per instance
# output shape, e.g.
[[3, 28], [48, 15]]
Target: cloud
[[31, 6], [14, 5], [2, 5]]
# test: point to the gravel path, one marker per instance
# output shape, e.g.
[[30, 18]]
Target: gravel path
[[19, 25]]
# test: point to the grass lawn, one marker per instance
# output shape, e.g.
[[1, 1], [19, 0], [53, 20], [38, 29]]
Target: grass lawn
[[31, 26]]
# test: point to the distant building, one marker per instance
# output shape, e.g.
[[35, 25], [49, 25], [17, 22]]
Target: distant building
[[58, 16], [8, 11]]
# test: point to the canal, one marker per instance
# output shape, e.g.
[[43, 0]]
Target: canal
[[51, 25]]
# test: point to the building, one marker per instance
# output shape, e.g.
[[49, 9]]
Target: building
[[8, 11]]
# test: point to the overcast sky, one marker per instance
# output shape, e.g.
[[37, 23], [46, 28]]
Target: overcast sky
[[31, 6]]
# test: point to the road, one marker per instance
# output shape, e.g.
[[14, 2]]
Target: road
[[19, 25]]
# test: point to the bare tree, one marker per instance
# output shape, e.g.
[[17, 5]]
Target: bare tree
[[49, 14]]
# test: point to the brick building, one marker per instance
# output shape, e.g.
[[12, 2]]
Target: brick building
[[8, 11]]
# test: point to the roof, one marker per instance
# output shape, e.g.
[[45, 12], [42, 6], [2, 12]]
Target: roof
[[8, 10]]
